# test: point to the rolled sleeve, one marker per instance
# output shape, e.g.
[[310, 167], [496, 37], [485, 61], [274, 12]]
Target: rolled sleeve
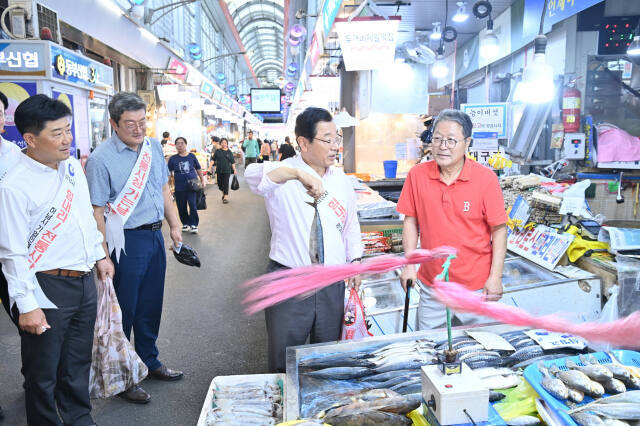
[[352, 236], [256, 176], [494, 203], [98, 181], [406, 202], [14, 233]]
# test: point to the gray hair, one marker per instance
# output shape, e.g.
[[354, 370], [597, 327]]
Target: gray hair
[[124, 101], [462, 118]]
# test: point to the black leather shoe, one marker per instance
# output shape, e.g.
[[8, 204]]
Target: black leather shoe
[[136, 395], [166, 374]]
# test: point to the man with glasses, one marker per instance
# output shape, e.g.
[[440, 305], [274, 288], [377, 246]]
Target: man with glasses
[[313, 215], [128, 182], [454, 201]]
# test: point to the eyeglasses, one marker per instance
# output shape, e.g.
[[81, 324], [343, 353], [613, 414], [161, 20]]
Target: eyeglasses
[[132, 125], [336, 141], [448, 142]]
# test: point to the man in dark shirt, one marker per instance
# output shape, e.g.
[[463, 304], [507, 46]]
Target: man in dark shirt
[[286, 150], [165, 138]]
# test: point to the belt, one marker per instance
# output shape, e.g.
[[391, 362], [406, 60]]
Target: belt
[[148, 227], [66, 273]]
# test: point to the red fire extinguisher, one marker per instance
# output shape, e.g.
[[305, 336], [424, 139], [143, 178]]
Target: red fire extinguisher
[[571, 108]]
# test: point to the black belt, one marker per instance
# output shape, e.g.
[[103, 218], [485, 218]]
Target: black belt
[[148, 227]]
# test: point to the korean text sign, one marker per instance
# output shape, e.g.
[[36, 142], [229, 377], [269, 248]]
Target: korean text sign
[[488, 118], [368, 43]]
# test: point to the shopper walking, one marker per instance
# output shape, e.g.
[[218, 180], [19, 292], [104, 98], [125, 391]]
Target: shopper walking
[[265, 152], [310, 203], [188, 180], [224, 164], [286, 149], [48, 261], [251, 149], [128, 176], [454, 201], [274, 150]]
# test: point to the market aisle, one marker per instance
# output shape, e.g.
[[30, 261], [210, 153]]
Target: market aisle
[[204, 330]]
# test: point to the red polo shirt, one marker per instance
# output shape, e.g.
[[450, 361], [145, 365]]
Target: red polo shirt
[[459, 215]]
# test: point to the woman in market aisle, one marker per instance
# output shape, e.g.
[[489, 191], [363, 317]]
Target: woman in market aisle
[[265, 152], [224, 165], [185, 169]]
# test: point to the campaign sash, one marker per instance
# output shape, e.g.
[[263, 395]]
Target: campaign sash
[[49, 226], [118, 212]]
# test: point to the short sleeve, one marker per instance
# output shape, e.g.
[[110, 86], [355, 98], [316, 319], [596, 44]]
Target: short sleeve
[[406, 202], [493, 202], [98, 181]]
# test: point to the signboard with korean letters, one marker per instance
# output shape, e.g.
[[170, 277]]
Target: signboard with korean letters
[[368, 43], [22, 59], [488, 118]]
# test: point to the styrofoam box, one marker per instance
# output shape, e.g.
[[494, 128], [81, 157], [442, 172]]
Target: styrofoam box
[[234, 380]]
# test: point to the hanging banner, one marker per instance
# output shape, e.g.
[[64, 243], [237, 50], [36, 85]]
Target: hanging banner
[[330, 10], [557, 10], [368, 43]]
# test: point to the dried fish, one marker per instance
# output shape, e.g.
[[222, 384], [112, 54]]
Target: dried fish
[[554, 386]]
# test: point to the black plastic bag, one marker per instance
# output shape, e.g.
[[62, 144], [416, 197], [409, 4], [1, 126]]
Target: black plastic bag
[[234, 183], [201, 200], [187, 255]]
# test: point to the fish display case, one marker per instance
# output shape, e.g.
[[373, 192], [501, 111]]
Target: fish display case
[[577, 294], [293, 407]]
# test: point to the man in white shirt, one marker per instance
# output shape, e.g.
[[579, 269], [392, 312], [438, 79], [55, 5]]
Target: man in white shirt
[[313, 216], [49, 244], [9, 156]]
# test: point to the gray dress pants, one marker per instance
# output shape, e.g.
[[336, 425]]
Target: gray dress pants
[[290, 323]]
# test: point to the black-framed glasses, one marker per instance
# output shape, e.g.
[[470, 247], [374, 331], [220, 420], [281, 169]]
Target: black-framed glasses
[[336, 141], [448, 142]]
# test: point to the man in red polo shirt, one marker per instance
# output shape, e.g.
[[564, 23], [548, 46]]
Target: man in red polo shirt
[[454, 201]]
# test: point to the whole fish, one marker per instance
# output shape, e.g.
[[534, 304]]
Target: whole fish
[[400, 379], [319, 363], [524, 353], [410, 387], [340, 373], [573, 379], [617, 410], [593, 371], [465, 343], [399, 405], [476, 356], [597, 390], [485, 362], [587, 419], [614, 422], [501, 382], [523, 341], [471, 348], [576, 396], [613, 386], [523, 421], [383, 377], [634, 373], [496, 396], [403, 365], [629, 397], [492, 371], [367, 417], [397, 345], [618, 370], [553, 385]]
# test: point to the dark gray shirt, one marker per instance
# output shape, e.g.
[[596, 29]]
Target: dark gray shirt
[[108, 170]]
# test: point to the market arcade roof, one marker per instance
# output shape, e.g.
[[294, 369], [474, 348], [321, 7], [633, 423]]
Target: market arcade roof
[[260, 26]]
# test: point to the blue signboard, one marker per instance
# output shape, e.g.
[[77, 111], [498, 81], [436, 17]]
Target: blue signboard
[[330, 10], [557, 10], [79, 70], [22, 59], [207, 88]]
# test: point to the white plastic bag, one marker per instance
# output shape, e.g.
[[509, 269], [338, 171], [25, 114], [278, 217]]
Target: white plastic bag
[[609, 313]]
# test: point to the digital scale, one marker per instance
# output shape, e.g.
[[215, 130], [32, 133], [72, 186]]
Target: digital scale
[[454, 395]]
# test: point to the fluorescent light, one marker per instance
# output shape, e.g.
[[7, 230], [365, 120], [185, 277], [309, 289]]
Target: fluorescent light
[[113, 8], [537, 86], [436, 34], [489, 44], [634, 47], [148, 35], [439, 69], [461, 15]]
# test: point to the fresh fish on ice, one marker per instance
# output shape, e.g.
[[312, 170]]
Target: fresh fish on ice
[[574, 379]]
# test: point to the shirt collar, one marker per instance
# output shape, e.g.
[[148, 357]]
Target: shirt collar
[[120, 146], [329, 172], [30, 162], [434, 171]]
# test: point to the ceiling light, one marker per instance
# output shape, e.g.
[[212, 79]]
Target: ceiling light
[[489, 45], [634, 47], [537, 85], [439, 69], [436, 34], [461, 15]]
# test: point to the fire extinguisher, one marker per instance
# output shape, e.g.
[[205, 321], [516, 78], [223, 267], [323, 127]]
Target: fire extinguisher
[[571, 108]]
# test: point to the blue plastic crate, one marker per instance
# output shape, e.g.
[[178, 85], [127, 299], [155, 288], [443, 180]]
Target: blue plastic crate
[[534, 377]]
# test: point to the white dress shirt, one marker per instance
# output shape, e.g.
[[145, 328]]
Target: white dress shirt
[[291, 217], [25, 195], [9, 155]]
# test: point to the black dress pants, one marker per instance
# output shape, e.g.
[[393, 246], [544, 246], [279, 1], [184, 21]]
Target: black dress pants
[[56, 364], [290, 323]]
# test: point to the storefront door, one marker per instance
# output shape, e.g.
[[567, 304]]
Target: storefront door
[[99, 120]]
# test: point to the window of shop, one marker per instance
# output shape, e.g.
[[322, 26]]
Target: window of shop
[[99, 117]]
